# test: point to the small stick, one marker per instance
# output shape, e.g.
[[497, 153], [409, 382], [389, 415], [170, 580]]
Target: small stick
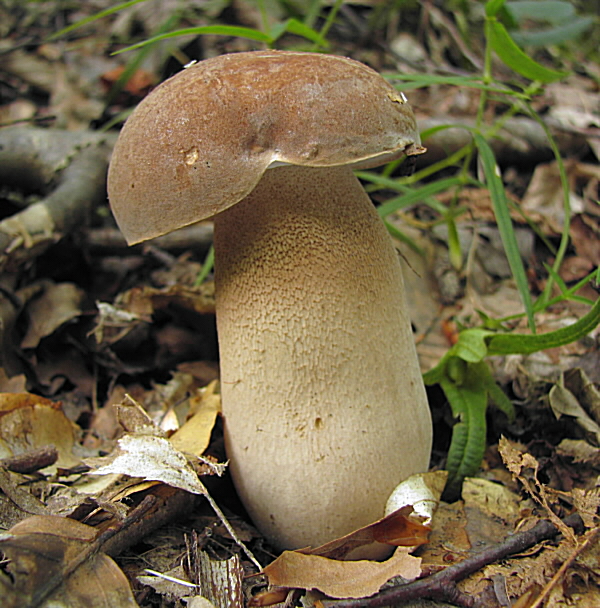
[[31, 461], [592, 535]]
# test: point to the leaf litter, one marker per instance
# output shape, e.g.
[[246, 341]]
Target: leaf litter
[[152, 337]]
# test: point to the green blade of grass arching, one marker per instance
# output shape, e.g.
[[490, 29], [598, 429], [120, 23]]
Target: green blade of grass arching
[[95, 17], [411, 197], [505, 227], [293, 26], [219, 30], [136, 61], [417, 81], [207, 266]]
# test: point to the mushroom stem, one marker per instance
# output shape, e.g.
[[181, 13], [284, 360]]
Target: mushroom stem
[[324, 405]]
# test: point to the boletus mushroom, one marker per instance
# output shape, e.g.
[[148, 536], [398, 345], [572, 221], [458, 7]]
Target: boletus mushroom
[[324, 407]]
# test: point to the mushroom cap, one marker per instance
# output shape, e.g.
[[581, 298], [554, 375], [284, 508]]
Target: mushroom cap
[[201, 141]]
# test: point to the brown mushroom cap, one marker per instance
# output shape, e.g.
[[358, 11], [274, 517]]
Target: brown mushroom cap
[[201, 141]]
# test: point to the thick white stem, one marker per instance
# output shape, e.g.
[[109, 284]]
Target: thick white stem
[[325, 410]]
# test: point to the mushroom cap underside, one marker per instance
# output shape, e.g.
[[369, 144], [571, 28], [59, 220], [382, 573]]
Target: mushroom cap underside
[[201, 141]]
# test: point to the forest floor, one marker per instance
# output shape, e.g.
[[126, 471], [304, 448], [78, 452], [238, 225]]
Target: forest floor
[[108, 350]]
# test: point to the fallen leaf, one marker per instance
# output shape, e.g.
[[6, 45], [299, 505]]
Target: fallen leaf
[[580, 451], [137, 85], [564, 403], [421, 491], [150, 458], [193, 437], [28, 421], [10, 484], [340, 579], [494, 499], [58, 304], [395, 529], [51, 562]]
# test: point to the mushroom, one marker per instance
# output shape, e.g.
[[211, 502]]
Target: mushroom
[[324, 407]]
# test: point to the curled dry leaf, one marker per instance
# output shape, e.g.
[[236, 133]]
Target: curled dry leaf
[[328, 568], [564, 403], [51, 561], [422, 492], [396, 529], [28, 421], [340, 579]]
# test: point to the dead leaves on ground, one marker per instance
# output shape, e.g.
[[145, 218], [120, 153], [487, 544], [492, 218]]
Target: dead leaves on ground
[[328, 568], [562, 575], [52, 561], [53, 558]]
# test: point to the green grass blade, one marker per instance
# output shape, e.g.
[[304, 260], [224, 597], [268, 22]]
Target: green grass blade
[[413, 196], [219, 30], [95, 17], [505, 227]]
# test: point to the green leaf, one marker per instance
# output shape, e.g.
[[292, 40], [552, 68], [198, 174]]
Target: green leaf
[[414, 81], [508, 344], [469, 404], [505, 227], [498, 396], [438, 373], [403, 238], [471, 345], [293, 26], [507, 50]]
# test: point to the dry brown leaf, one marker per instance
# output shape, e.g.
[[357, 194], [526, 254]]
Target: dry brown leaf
[[194, 435], [51, 562], [564, 403], [147, 300], [10, 484], [57, 305], [28, 421], [395, 529], [138, 84], [580, 451], [14, 384], [340, 579]]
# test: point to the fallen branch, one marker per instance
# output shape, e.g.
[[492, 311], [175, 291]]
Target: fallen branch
[[441, 586], [70, 165], [520, 141], [111, 241]]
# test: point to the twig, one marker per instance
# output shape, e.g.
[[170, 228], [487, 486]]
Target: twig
[[442, 585], [43, 592], [592, 536], [31, 461], [230, 529]]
